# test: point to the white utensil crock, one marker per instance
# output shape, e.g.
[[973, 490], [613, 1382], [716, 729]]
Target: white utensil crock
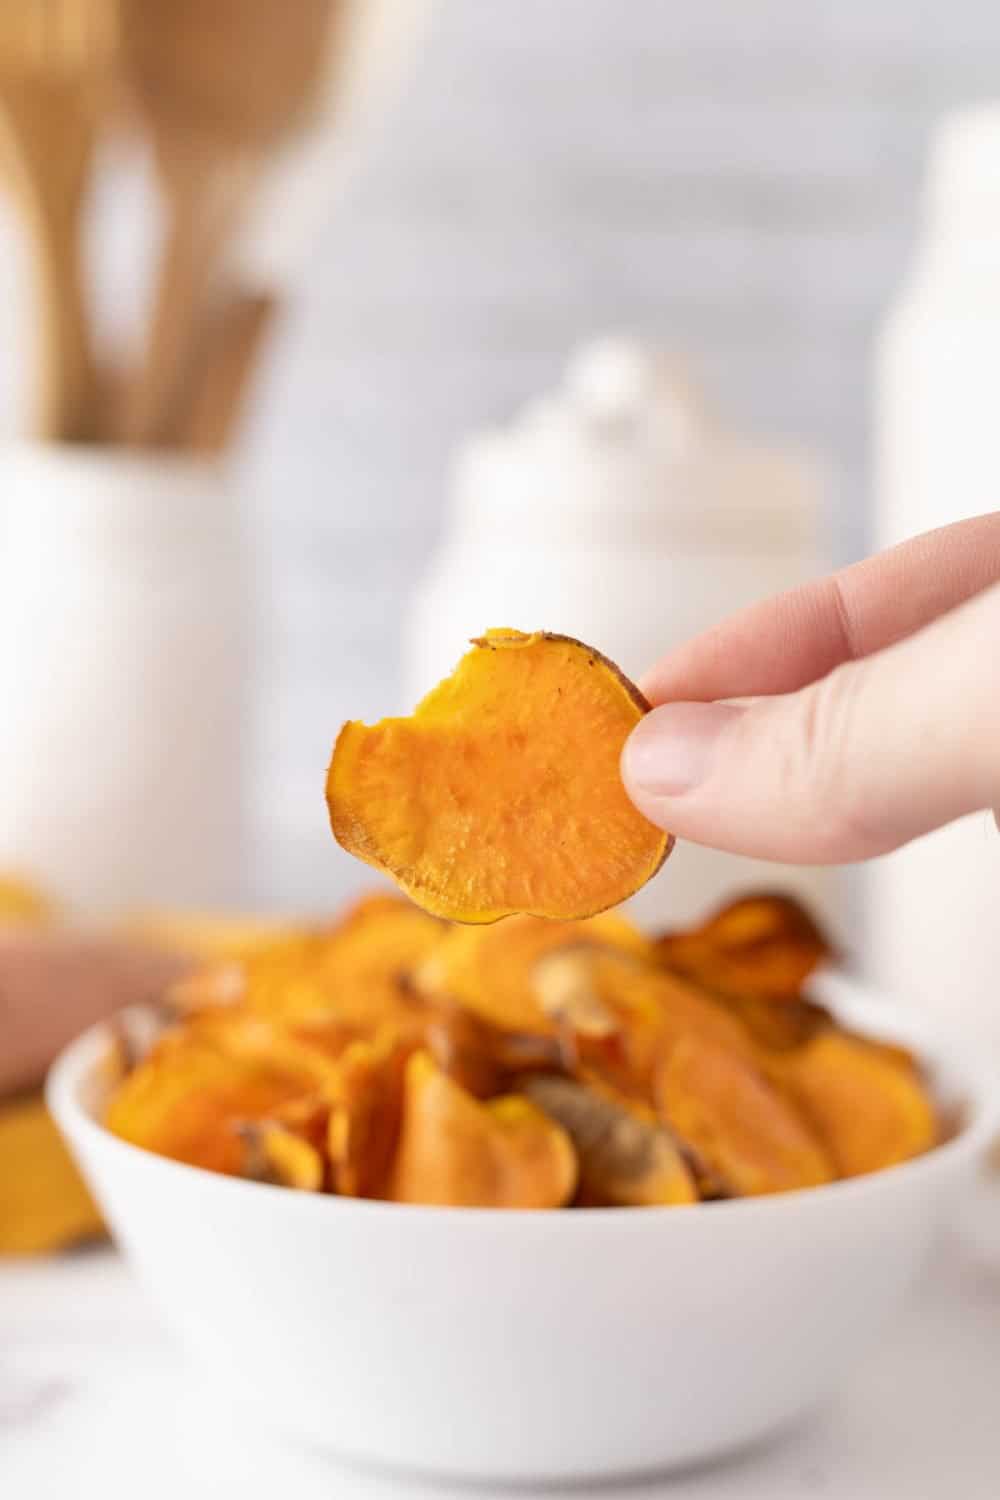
[[123, 677]]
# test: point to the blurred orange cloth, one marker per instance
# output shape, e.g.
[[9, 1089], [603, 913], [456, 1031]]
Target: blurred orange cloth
[[44, 1204]]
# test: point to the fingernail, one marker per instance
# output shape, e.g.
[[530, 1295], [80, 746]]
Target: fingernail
[[672, 750]]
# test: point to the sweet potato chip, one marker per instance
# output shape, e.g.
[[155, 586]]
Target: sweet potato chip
[[486, 1060], [492, 970], [763, 946], [567, 993], [273, 1153], [132, 1035], [776, 1025], [366, 1106], [355, 972], [44, 1204], [502, 792], [626, 1158], [750, 1137], [454, 1150], [867, 1102], [646, 1010], [187, 1098]]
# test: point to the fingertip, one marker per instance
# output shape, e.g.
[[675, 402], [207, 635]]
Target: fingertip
[[671, 751]]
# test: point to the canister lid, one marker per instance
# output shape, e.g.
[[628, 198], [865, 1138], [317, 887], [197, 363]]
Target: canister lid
[[627, 447]]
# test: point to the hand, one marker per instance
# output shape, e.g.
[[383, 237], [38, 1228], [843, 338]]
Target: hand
[[52, 985], [870, 710]]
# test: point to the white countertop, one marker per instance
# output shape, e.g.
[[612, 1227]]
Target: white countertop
[[96, 1404]]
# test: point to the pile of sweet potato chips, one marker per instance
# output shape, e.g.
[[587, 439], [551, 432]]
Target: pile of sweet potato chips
[[527, 1064]]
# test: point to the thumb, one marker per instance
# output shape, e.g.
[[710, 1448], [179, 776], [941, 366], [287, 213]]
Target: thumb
[[880, 751]]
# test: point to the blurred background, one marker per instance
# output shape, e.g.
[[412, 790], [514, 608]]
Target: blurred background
[[401, 319], [739, 182]]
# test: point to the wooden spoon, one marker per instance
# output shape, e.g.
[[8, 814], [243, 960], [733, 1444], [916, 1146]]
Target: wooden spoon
[[54, 58], [219, 84], [209, 417]]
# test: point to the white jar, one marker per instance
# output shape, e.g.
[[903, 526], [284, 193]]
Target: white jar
[[616, 511], [934, 934], [123, 675]]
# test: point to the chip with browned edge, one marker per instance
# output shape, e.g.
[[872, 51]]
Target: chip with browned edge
[[502, 792]]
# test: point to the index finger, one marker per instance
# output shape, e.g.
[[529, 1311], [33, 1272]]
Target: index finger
[[782, 644]]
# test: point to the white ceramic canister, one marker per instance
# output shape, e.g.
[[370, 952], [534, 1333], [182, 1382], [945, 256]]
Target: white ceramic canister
[[618, 511], [934, 933], [123, 678]]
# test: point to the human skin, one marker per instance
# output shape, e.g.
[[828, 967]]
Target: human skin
[[52, 985], [840, 720]]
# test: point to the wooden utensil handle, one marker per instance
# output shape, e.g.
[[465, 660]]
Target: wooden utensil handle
[[64, 409], [219, 382], [47, 133], [205, 197]]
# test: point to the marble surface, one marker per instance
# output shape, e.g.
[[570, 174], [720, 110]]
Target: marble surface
[[97, 1404]]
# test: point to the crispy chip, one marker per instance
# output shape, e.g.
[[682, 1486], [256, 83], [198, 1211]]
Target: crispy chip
[[186, 1099], [626, 1158], [492, 971], [455, 1150], [749, 1136], [866, 1101], [764, 946], [355, 972], [647, 1010], [776, 1025], [502, 792], [486, 1060], [366, 1107], [273, 1153]]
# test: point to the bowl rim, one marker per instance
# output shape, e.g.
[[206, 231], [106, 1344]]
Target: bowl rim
[[979, 1091]]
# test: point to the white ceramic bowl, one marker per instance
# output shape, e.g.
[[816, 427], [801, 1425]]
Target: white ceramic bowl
[[512, 1345]]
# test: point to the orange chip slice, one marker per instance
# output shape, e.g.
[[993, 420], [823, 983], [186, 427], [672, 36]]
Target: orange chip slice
[[626, 1158], [645, 1011], [737, 1122], [273, 1153], [491, 971], [187, 1099], [454, 1150], [760, 946], [867, 1101], [485, 1059], [356, 972], [366, 1104], [502, 792]]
